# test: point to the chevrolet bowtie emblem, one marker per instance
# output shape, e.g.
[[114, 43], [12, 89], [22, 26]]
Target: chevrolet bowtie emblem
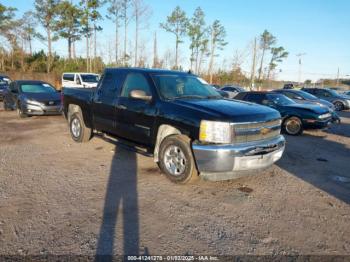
[[264, 130]]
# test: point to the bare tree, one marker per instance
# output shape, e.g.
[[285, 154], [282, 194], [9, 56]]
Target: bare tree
[[141, 13], [46, 11], [155, 52], [114, 14], [125, 5], [217, 42]]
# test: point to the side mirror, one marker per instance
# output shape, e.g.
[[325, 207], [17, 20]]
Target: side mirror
[[140, 94]]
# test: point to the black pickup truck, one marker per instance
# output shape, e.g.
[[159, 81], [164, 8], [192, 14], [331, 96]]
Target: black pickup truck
[[190, 129]]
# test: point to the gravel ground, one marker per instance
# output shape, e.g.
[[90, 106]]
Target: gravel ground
[[59, 197]]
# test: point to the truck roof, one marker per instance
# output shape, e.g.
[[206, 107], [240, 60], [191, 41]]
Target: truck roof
[[145, 70]]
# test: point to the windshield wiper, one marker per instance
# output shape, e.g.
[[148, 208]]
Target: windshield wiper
[[189, 97]]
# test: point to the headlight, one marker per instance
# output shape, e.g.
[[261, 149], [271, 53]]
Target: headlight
[[324, 116], [33, 102], [215, 132]]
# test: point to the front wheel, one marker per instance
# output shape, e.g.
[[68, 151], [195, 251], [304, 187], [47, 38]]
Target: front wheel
[[293, 126], [176, 160], [79, 132], [20, 112], [339, 106]]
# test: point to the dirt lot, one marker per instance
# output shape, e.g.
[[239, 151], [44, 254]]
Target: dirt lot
[[59, 197]]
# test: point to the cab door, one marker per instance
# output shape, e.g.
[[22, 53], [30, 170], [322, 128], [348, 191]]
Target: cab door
[[104, 101], [136, 117]]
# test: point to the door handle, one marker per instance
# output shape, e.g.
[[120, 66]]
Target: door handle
[[122, 107]]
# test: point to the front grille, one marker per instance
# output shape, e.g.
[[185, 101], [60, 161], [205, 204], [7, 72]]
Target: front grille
[[52, 103], [248, 132]]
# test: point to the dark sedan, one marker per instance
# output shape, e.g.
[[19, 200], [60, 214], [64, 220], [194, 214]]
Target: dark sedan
[[4, 83], [296, 117], [302, 97], [32, 98], [340, 101]]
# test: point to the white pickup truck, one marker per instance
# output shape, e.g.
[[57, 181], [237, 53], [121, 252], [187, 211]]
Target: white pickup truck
[[80, 80]]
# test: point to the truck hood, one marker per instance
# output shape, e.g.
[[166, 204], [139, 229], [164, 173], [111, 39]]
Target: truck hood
[[229, 110], [311, 107]]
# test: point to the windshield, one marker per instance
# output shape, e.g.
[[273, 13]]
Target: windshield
[[37, 88], [333, 92], [90, 78], [280, 99], [184, 86], [307, 96]]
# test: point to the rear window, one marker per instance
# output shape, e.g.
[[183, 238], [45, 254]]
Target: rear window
[[68, 77]]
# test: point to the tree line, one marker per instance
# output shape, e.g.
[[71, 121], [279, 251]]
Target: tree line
[[81, 21]]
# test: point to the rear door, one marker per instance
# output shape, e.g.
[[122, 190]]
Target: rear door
[[135, 117], [104, 101]]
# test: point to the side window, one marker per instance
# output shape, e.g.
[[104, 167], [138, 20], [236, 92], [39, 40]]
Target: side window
[[255, 98], [68, 77], [135, 81], [107, 88]]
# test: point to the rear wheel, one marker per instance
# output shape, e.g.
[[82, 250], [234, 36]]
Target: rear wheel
[[6, 107], [339, 106], [79, 132], [176, 160], [293, 126]]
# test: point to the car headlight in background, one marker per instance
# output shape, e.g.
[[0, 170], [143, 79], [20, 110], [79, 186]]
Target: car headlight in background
[[215, 132]]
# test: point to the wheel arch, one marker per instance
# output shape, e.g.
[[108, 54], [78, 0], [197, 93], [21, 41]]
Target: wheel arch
[[163, 132]]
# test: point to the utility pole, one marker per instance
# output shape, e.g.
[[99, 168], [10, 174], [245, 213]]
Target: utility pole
[[300, 55], [338, 77], [252, 74]]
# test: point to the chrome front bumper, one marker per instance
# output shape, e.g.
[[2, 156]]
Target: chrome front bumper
[[233, 160]]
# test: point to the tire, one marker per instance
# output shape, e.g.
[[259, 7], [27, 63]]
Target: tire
[[20, 113], [293, 126], [79, 132], [177, 147], [339, 106], [6, 108]]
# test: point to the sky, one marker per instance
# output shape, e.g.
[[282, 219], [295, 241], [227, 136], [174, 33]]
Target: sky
[[317, 28]]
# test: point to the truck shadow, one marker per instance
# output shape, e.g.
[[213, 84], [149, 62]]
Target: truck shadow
[[320, 162], [121, 203]]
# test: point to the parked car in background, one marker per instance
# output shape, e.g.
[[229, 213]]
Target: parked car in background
[[30, 97], [340, 101], [80, 80], [303, 97], [181, 119], [4, 83], [347, 93], [288, 86], [232, 91], [296, 117]]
